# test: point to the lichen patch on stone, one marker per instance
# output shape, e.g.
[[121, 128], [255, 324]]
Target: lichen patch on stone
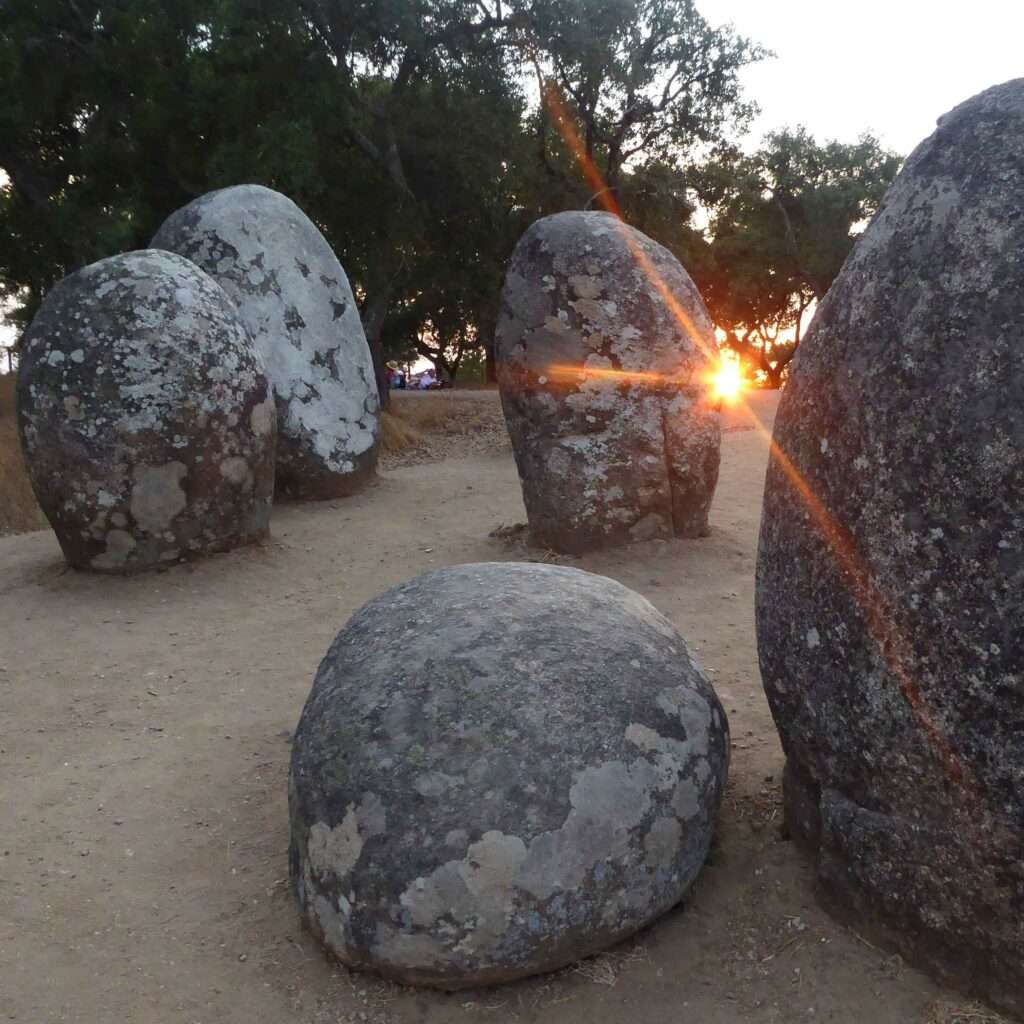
[[525, 828], [296, 302], [591, 366]]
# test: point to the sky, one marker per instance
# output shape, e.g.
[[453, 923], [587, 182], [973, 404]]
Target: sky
[[889, 66]]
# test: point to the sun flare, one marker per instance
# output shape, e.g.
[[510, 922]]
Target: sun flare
[[727, 382]]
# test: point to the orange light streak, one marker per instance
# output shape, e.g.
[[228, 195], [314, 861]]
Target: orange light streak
[[878, 610], [879, 613], [569, 372], [604, 195]]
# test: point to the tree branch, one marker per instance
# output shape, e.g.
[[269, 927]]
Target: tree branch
[[793, 247]]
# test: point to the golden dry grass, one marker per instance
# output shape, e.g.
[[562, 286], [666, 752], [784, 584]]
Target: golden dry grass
[[445, 412], [435, 425], [18, 509], [396, 435]]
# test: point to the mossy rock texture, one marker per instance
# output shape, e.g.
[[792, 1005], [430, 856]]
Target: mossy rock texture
[[501, 768], [890, 589], [604, 351], [146, 418]]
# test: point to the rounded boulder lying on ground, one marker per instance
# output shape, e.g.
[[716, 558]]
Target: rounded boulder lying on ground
[[603, 355], [146, 419], [890, 593], [501, 768], [295, 299]]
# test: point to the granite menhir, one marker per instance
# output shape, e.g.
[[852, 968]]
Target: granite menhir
[[146, 418], [603, 350], [501, 768], [295, 299], [890, 589]]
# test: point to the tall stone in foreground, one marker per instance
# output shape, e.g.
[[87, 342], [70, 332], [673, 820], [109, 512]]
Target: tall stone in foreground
[[890, 591], [603, 352], [146, 419], [501, 768], [294, 297]]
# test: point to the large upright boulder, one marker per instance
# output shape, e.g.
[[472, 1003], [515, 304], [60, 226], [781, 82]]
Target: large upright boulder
[[146, 418], [890, 590], [294, 297], [501, 768], [603, 350]]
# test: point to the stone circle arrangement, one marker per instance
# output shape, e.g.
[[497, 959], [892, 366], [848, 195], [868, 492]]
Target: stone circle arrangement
[[161, 393], [505, 767], [501, 768]]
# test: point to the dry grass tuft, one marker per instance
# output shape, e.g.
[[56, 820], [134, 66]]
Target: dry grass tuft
[[396, 435], [19, 512], [943, 1012], [442, 425]]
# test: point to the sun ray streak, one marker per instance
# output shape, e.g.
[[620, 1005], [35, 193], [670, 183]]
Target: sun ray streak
[[606, 197], [878, 610]]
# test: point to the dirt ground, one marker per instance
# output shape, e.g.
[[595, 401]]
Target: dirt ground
[[144, 744]]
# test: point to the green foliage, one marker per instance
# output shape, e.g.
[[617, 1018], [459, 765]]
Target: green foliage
[[636, 79], [782, 221], [410, 131]]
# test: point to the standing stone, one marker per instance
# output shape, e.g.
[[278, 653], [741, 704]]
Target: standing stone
[[890, 592], [145, 415], [294, 297], [603, 351], [501, 768]]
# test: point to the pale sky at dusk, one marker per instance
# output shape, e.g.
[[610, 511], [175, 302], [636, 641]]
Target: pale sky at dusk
[[892, 66]]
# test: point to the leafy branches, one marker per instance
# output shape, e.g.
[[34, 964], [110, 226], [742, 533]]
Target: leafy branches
[[648, 78], [422, 137], [783, 220]]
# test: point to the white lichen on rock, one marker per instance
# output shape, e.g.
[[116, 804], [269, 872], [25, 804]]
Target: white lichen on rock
[[295, 299]]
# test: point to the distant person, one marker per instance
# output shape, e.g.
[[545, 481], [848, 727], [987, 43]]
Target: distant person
[[426, 381]]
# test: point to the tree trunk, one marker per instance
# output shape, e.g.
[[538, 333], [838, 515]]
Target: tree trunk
[[486, 328], [490, 363], [374, 313], [794, 249], [444, 369]]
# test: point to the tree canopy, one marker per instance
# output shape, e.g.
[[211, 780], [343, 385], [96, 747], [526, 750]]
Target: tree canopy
[[782, 221], [423, 137]]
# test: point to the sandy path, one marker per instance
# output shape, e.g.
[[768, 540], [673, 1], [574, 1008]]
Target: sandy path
[[143, 757]]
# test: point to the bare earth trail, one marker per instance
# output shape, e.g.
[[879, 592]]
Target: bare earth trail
[[144, 729]]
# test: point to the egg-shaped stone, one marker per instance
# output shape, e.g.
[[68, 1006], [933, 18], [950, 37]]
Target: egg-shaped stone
[[501, 768], [604, 351], [293, 296], [890, 590], [146, 418]]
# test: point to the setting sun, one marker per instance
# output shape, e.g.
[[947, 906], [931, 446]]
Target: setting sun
[[727, 382]]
